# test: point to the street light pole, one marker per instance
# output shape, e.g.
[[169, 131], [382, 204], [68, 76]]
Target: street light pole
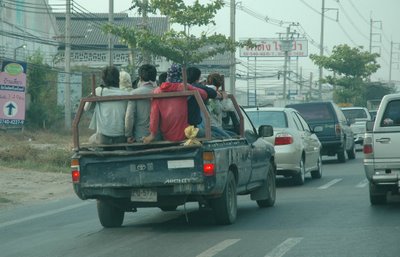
[[15, 51]]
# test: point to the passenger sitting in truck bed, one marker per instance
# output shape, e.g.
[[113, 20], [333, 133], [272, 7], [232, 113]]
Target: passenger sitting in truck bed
[[193, 77], [219, 106], [125, 81], [108, 117], [169, 115], [137, 118]]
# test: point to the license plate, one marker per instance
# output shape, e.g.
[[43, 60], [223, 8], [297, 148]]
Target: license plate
[[144, 195]]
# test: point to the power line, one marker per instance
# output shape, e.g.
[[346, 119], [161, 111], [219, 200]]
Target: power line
[[351, 21]]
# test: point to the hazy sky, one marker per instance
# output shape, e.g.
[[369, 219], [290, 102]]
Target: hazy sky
[[353, 27]]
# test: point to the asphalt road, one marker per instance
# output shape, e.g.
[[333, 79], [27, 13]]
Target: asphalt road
[[330, 216]]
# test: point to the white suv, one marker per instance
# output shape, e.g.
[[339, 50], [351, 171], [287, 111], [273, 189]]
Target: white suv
[[358, 117]]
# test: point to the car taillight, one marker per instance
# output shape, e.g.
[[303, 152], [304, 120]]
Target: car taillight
[[75, 171], [338, 129], [208, 165], [283, 139], [367, 149]]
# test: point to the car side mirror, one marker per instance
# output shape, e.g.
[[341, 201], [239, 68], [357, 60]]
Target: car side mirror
[[265, 131], [369, 126]]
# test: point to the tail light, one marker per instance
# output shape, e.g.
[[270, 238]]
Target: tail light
[[208, 164], [368, 149], [283, 139], [338, 129], [75, 171]]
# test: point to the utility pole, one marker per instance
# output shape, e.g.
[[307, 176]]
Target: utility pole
[[321, 44], [321, 48], [232, 67], [145, 24], [110, 43], [397, 61], [390, 62], [286, 46], [372, 34], [67, 88]]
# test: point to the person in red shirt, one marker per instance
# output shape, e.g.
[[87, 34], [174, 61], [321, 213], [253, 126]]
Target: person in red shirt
[[169, 115]]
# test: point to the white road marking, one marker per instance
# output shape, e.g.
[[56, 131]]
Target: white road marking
[[218, 248], [331, 183], [284, 247], [363, 183], [40, 215]]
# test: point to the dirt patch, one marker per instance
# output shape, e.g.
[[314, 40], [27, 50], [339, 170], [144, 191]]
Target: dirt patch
[[27, 186]]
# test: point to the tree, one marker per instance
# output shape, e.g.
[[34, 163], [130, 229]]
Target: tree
[[181, 47], [352, 68], [43, 110]]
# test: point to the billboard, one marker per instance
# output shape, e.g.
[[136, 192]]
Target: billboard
[[274, 47], [12, 93]]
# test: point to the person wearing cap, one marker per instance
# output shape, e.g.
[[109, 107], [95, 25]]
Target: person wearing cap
[[169, 115], [137, 118]]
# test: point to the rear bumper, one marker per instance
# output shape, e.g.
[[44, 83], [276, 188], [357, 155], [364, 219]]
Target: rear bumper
[[207, 186], [331, 148], [382, 172]]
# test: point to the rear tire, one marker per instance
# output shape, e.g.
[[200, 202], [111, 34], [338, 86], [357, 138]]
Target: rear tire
[[225, 207], [318, 172], [110, 216], [377, 196], [270, 186], [299, 178]]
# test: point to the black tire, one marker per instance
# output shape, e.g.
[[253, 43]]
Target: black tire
[[169, 208], [270, 186], [318, 172], [110, 216], [352, 153], [377, 196], [225, 207], [299, 178], [341, 156]]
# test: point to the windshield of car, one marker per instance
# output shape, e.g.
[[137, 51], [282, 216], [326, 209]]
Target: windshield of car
[[355, 113], [276, 119], [314, 112]]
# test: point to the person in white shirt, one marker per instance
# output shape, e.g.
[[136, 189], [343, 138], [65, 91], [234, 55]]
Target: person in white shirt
[[109, 117]]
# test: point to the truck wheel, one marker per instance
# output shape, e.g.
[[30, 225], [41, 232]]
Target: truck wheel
[[225, 207], [318, 172], [377, 196], [299, 178], [271, 189], [341, 156], [169, 208], [110, 216], [352, 153]]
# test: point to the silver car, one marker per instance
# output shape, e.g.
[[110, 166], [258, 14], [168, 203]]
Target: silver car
[[358, 117], [297, 147]]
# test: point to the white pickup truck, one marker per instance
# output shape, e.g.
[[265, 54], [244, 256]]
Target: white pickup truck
[[381, 150]]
